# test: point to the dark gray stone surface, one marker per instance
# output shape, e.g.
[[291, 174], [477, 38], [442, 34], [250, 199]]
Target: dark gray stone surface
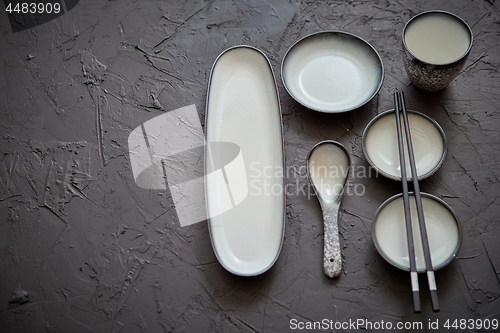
[[83, 249]]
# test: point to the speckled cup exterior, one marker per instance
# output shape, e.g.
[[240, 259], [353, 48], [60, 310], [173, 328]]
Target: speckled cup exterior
[[432, 77]]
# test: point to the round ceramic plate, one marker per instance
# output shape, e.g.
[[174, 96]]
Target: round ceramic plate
[[443, 231], [380, 145], [332, 71]]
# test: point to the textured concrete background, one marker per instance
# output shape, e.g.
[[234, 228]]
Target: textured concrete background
[[83, 249]]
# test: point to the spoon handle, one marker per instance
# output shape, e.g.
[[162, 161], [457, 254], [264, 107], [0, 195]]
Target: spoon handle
[[332, 259]]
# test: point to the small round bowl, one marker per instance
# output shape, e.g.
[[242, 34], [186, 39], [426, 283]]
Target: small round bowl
[[443, 232], [332, 71], [380, 145]]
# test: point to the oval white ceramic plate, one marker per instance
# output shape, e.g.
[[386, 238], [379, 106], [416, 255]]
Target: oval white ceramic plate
[[332, 71], [443, 231], [243, 109], [380, 144]]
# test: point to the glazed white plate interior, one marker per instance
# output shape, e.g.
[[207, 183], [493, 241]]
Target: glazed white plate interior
[[380, 145], [332, 71], [243, 109], [443, 230]]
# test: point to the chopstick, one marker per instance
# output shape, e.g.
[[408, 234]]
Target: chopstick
[[406, 203], [420, 212]]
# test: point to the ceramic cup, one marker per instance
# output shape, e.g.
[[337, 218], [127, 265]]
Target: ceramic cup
[[436, 45]]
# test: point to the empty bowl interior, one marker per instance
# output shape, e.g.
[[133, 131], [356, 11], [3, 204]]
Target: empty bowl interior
[[443, 231], [332, 71], [380, 145]]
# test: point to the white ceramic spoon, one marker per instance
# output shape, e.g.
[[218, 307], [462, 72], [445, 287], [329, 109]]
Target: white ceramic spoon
[[328, 167]]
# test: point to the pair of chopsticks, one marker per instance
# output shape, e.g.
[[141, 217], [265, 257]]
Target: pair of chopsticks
[[400, 110]]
